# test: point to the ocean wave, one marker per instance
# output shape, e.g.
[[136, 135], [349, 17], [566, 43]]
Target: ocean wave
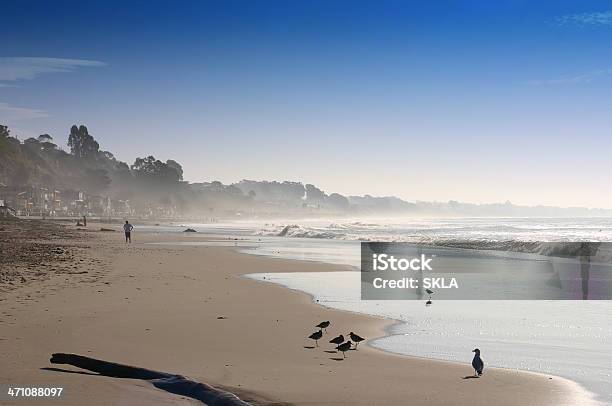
[[480, 238], [546, 248], [297, 231]]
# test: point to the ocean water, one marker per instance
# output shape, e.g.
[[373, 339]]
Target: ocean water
[[432, 230], [571, 339]]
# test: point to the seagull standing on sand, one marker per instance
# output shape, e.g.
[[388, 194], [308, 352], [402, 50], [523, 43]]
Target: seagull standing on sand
[[477, 363], [324, 325], [316, 337], [337, 340], [344, 348], [356, 339]]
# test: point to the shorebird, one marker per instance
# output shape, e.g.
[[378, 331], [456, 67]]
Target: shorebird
[[477, 363], [324, 325], [429, 292], [337, 340], [356, 339], [316, 337], [344, 348]]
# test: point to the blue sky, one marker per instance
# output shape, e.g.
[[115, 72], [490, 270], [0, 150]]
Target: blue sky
[[473, 101]]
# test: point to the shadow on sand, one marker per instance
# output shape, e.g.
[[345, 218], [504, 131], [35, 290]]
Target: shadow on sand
[[172, 383], [470, 377]]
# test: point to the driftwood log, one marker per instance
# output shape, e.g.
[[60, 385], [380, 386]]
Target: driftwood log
[[172, 383]]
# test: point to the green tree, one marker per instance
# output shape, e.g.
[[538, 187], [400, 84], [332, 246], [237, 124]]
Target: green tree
[[176, 166], [314, 194], [45, 141], [4, 131], [156, 170], [338, 201], [82, 145]]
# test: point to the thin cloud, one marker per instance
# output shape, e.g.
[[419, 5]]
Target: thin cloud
[[13, 69], [26, 68], [583, 19], [576, 79], [10, 114]]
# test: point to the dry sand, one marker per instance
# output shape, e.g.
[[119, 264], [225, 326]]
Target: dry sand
[[159, 307]]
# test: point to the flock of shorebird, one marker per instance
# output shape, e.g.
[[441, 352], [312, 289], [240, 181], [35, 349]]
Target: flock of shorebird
[[343, 346], [338, 341]]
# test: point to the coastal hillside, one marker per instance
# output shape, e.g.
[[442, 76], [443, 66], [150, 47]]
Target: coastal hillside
[[39, 176]]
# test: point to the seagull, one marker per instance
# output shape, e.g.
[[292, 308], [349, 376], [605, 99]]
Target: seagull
[[356, 338], [338, 340], [344, 348], [477, 363], [316, 336], [429, 292], [324, 325]]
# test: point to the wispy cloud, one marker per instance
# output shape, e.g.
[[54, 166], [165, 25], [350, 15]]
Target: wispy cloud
[[25, 68], [10, 114], [575, 79], [594, 18], [14, 69]]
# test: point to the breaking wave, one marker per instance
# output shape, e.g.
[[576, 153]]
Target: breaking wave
[[551, 239]]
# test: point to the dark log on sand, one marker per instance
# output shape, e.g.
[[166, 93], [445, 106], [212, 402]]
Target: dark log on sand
[[177, 384]]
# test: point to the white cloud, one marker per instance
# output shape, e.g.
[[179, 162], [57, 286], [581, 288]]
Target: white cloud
[[10, 114], [595, 18], [24, 68], [582, 78]]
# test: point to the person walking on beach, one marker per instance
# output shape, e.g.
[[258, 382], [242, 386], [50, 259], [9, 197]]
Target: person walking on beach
[[127, 227]]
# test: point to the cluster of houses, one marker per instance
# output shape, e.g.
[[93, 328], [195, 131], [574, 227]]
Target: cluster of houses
[[48, 202]]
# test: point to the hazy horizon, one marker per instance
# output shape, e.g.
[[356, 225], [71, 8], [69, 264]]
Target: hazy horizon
[[471, 101]]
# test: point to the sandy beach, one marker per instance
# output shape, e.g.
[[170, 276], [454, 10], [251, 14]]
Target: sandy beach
[[188, 310]]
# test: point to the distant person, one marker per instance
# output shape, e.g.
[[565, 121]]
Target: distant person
[[127, 227]]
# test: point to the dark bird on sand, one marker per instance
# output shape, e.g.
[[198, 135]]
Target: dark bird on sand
[[316, 337], [337, 340], [344, 347], [324, 325], [356, 339], [477, 363]]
